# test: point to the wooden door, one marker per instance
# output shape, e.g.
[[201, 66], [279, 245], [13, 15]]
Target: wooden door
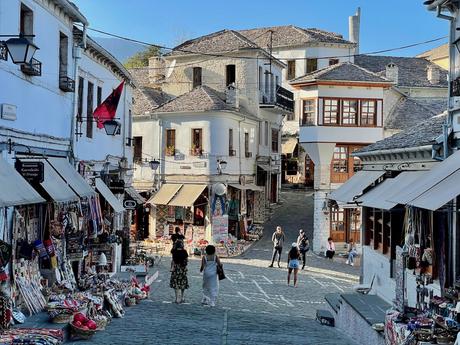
[[354, 224], [338, 224], [309, 171]]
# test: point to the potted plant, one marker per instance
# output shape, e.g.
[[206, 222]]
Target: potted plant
[[170, 150]]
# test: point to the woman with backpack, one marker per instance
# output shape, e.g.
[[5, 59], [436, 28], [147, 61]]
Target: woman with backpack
[[278, 241], [293, 263], [304, 245]]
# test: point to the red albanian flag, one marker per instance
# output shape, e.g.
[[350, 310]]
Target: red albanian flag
[[107, 109]]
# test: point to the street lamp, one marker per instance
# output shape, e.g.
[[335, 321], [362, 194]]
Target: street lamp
[[111, 127], [154, 164], [20, 49]]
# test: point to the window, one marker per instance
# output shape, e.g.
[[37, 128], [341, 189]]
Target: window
[[340, 159], [312, 65], [99, 95], [275, 134], [267, 82], [247, 154], [89, 110], [331, 111], [130, 128], [26, 25], [137, 149], [272, 88], [197, 76], [261, 80], [291, 70], [81, 83], [170, 142], [345, 224], [349, 112], [357, 162], [231, 151], [63, 54], [337, 219], [368, 113], [266, 133], [260, 132], [230, 74], [308, 112], [197, 142], [333, 62]]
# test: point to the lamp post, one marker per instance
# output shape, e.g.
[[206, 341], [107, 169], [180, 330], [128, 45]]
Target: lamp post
[[20, 49]]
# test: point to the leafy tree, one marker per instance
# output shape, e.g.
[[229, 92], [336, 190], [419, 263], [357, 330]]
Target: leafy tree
[[141, 59]]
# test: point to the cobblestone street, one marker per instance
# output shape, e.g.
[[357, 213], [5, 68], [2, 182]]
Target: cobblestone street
[[255, 304]]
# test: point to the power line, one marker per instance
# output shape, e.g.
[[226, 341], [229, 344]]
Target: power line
[[225, 54]]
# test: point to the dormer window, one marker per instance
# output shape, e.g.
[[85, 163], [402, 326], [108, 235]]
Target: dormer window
[[197, 76]]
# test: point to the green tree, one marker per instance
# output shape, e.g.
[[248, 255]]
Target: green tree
[[141, 59]]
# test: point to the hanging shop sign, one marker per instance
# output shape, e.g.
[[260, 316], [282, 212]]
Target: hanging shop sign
[[117, 187], [129, 204], [33, 172]]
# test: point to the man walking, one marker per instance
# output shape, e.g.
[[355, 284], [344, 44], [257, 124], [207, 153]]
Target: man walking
[[278, 241]]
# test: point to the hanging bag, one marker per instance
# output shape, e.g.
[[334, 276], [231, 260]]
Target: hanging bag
[[220, 271]]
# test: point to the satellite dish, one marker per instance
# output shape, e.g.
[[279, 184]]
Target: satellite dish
[[219, 189]]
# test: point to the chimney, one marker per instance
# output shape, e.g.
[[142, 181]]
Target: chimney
[[231, 96], [157, 69], [391, 72], [353, 28], [432, 74]]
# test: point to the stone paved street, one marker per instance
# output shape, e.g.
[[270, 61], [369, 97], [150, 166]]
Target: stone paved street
[[255, 307]]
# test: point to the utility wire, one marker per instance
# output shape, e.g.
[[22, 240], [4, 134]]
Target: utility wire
[[225, 54]]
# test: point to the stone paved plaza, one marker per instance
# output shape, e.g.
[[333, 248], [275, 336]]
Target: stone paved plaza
[[255, 304]]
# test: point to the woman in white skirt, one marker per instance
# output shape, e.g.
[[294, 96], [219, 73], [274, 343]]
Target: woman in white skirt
[[209, 263]]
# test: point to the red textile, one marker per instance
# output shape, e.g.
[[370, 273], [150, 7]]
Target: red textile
[[107, 109]]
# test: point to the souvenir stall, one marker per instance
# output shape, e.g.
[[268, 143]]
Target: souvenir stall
[[426, 308]]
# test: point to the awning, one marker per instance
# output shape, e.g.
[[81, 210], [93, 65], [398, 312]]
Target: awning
[[249, 186], [72, 177], [135, 195], [187, 195], [376, 196], [440, 194], [55, 186], [289, 146], [265, 167], [165, 194], [355, 185], [109, 196], [15, 190], [404, 181]]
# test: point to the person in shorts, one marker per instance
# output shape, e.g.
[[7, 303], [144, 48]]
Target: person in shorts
[[293, 263]]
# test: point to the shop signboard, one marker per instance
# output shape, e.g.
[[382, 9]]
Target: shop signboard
[[117, 187], [31, 171], [129, 204], [219, 226]]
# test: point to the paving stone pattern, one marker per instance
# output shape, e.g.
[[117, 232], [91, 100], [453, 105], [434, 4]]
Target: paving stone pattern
[[255, 304]]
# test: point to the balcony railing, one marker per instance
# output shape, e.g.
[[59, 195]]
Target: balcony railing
[[3, 52], [248, 154], [66, 84], [283, 98], [197, 152], [33, 68]]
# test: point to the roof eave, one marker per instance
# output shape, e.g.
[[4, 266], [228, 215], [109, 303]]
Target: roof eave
[[72, 11], [393, 151], [342, 83]]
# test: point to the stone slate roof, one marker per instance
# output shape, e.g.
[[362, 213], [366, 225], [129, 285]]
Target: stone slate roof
[[223, 41], [412, 72], [201, 98], [345, 71], [409, 111], [290, 35], [425, 133]]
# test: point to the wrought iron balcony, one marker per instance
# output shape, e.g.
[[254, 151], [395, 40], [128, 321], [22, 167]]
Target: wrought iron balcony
[[3, 52], [283, 99], [67, 84], [33, 68]]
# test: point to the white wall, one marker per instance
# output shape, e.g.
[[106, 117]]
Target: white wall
[[41, 106], [101, 145], [379, 265]]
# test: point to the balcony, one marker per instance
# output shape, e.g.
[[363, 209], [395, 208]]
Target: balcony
[[33, 68], [282, 99], [67, 84], [3, 52]]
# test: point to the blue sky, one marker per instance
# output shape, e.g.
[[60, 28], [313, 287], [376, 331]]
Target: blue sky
[[384, 24]]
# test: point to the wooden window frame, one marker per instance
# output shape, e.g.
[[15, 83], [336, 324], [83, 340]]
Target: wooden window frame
[[303, 121], [26, 21], [63, 54], [341, 177], [137, 150], [291, 69], [89, 110], [308, 67], [170, 142], [361, 107], [246, 145], [343, 112], [196, 150], [337, 123]]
